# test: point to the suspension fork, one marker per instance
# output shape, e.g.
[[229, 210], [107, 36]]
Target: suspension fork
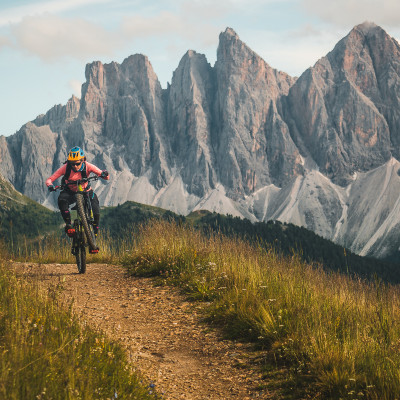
[[88, 203]]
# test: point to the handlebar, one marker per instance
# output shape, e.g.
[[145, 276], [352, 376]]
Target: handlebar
[[77, 182]]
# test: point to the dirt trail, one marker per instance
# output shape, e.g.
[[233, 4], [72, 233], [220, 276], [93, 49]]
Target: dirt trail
[[163, 332]]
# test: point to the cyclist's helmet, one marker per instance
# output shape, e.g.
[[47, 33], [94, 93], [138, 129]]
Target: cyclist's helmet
[[76, 154]]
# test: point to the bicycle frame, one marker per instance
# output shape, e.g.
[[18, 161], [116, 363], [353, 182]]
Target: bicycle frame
[[83, 224], [87, 202]]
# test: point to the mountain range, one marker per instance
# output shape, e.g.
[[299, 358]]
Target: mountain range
[[241, 138]]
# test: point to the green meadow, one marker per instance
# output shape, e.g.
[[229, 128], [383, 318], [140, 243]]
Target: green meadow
[[320, 334]]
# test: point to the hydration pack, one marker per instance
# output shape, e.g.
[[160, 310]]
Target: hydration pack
[[69, 170]]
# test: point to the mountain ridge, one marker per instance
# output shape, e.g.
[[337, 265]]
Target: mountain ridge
[[238, 137]]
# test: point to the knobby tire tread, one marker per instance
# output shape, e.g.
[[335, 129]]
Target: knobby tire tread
[[81, 210], [79, 248], [82, 257]]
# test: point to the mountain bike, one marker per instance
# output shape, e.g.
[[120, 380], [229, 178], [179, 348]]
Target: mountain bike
[[83, 224]]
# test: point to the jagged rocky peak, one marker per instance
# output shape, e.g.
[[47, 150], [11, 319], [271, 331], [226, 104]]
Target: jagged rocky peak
[[94, 73], [58, 115], [367, 26], [138, 69], [189, 119], [366, 43], [235, 57], [113, 79], [138, 64], [351, 114], [231, 48], [370, 31], [72, 107], [239, 137], [230, 32], [190, 58], [192, 73]]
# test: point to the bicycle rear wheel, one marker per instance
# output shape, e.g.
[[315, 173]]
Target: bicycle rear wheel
[[88, 228]]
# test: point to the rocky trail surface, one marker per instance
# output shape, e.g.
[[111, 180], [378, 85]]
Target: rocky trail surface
[[163, 332]]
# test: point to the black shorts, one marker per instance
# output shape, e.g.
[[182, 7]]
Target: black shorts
[[66, 198]]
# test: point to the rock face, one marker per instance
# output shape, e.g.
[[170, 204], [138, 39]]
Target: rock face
[[250, 137], [238, 137], [344, 111]]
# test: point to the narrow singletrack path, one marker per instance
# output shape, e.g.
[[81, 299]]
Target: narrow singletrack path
[[161, 330]]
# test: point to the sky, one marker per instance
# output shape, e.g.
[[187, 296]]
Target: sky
[[46, 44]]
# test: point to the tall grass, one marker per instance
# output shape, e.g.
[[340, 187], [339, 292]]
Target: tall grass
[[45, 353], [56, 248], [340, 334]]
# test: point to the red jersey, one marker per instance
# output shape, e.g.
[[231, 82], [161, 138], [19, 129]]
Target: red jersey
[[74, 176]]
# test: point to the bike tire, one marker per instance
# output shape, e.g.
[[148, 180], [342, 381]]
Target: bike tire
[[90, 236], [79, 248], [81, 259]]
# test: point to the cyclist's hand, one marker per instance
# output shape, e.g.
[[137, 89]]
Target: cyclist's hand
[[104, 174], [51, 188]]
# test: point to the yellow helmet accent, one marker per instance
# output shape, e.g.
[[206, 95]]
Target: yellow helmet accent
[[76, 154]]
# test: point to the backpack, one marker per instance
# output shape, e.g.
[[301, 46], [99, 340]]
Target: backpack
[[69, 170]]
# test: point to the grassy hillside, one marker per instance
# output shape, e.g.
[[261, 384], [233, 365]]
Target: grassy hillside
[[47, 353], [22, 217], [285, 238], [323, 335], [117, 220], [289, 238]]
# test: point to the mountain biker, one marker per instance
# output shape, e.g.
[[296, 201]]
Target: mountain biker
[[76, 167]]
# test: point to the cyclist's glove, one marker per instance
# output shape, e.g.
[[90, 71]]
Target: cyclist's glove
[[51, 188], [104, 174]]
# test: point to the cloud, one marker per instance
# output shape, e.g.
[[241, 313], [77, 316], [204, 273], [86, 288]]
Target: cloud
[[184, 24], [16, 14], [194, 21], [76, 87], [4, 41], [294, 51], [353, 12], [52, 38]]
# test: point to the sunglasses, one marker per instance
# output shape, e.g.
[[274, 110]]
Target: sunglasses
[[76, 163]]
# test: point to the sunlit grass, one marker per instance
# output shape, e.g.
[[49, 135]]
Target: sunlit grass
[[47, 353], [342, 335], [338, 336], [56, 248]]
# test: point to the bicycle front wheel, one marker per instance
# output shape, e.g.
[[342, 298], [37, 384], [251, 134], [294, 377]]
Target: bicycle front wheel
[[81, 259], [88, 228]]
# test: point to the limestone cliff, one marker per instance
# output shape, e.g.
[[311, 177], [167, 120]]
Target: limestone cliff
[[238, 137]]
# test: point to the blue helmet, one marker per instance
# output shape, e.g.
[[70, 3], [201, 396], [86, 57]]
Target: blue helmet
[[76, 154]]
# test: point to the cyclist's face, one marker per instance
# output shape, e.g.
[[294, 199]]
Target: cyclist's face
[[76, 165]]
